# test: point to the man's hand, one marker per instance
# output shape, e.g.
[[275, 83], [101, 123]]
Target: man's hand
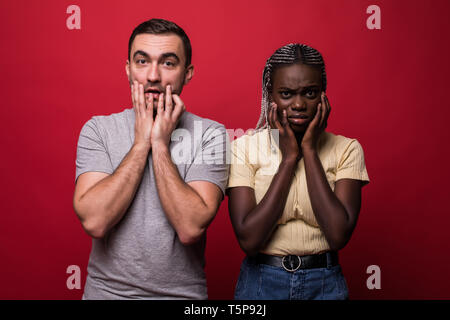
[[316, 126], [143, 110], [167, 117]]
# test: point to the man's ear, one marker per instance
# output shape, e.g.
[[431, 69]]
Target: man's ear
[[189, 73], [127, 69]]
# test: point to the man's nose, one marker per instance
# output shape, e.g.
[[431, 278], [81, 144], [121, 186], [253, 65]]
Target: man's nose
[[153, 73]]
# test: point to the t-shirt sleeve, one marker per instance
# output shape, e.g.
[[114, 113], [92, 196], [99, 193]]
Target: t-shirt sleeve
[[91, 151], [352, 164], [242, 173], [210, 159]]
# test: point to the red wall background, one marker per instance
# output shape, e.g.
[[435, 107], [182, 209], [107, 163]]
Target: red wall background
[[388, 88]]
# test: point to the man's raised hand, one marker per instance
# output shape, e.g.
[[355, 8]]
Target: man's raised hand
[[167, 117], [143, 110]]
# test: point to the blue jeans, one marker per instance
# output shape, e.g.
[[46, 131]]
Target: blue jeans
[[264, 282]]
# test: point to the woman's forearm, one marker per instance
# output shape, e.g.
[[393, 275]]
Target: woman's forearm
[[257, 226], [330, 214]]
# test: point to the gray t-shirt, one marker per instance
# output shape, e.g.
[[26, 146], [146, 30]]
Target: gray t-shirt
[[142, 257]]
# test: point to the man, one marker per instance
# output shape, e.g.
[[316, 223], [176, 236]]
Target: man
[[149, 180]]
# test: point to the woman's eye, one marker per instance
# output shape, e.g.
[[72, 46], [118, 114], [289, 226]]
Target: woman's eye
[[285, 94], [311, 93]]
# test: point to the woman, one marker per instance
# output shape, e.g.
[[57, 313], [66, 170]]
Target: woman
[[295, 190]]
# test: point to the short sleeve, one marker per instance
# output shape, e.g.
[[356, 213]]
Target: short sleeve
[[210, 160], [352, 164], [242, 173], [91, 152]]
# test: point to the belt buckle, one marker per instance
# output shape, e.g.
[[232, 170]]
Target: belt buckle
[[292, 265]]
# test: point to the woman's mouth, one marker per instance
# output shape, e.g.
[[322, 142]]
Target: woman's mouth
[[298, 119]]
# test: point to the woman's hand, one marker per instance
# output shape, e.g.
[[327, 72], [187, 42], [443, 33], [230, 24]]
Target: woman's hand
[[317, 125], [287, 142]]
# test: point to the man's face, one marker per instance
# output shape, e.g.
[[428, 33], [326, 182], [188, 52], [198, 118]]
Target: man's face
[[157, 60]]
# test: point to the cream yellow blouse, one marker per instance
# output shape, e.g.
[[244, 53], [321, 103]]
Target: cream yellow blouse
[[254, 161]]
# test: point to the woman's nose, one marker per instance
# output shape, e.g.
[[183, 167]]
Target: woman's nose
[[298, 103]]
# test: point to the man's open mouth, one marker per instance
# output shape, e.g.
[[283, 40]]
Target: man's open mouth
[[154, 92]]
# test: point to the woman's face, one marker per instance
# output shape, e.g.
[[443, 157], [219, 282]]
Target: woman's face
[[296, 88]]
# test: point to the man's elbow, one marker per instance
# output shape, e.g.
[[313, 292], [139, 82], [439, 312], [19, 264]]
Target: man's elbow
[[190, 236], [91, 226], [190, 232], [94, 230]]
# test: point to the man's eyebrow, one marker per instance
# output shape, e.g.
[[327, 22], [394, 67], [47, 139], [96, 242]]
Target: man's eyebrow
[[170, 55], [142, 53], [163, 56]]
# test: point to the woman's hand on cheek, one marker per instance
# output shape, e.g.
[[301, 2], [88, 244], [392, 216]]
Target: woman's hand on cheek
[[316, 126], [287, 142]]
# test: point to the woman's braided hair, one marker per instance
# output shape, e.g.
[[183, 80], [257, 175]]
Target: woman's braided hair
[[289, 54]]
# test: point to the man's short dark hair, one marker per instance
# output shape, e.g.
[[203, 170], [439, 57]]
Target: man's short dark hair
[[161, 26]]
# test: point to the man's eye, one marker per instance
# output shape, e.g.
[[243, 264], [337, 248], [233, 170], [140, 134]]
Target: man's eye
[[169, 63], [141, 61]]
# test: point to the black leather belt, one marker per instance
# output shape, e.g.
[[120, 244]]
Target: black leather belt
[[292, 263]]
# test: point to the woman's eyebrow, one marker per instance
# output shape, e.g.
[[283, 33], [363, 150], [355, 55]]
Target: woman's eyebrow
[[313, 86]]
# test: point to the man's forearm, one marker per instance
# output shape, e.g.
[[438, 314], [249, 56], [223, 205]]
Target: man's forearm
[[104, 205], [184, 208]]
